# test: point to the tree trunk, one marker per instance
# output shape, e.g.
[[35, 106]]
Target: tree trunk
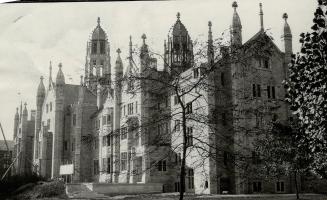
[[182, 176], [296, 186]]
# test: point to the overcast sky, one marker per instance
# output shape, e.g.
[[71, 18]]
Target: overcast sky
[[33, 34]]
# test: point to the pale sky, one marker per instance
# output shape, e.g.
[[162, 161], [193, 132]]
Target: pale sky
[[32, 35]]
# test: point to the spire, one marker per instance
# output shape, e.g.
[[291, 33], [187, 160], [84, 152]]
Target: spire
[[81, 80], [210, 43], [60, 79], [25, 109], [16, 115], [130, 58], [144, 48], [98, 21], [236, 29], [178, 16], [118, 56], [41, 89], [287, 29], [50, 75], [21, 110], [287, 40], [261, 17], [143, 38]]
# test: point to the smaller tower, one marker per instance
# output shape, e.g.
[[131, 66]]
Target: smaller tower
[[180, 48], [60, 79], [287, 43], [25, 113], [236, 29], [261, 17], [287, 38]]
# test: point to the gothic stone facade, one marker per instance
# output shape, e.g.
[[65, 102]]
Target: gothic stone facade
[[102, 131]]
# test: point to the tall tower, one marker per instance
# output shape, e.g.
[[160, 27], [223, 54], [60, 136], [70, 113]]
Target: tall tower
[[179, 53], [39, 103], [236, 29], [287, 40], [97, 64]]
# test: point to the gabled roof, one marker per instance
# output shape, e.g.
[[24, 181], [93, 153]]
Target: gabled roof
[[260, 36]]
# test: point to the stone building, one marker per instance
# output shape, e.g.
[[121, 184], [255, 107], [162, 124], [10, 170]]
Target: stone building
[[24, 126], [128, 130]]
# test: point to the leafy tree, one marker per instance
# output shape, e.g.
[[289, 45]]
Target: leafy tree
[[284, 156], [307, 86]]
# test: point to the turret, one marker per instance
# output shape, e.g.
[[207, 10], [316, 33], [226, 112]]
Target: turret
[[236, 28], [25, 113], [97, 64], [60, 79], [287, 40], [16, 122], [180, 48], [144, 49], [40, 94]]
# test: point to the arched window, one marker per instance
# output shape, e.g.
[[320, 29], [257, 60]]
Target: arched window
[[94, 47], [101, 71], [94, 71], [102, 47]]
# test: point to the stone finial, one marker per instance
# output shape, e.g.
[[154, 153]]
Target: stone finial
[[41, 78], [143, 38], [60, 65], [118, 51], [285, 16], [209, 24], [25, 104], [98, 21], [178, 15], [81, 79], [234, 5], [261, 16]]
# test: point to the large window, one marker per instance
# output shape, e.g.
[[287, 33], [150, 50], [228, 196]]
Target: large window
[[190, 179], [256, 186], [189, 136], [94, 47], [95, 167], [162, 165], [271, 93], [280, 186], [123, 161], [123, 133], [102, 47], [104, 141], [189, 108], [74, 119], [256, 90], [177, 125], [130, 109]]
